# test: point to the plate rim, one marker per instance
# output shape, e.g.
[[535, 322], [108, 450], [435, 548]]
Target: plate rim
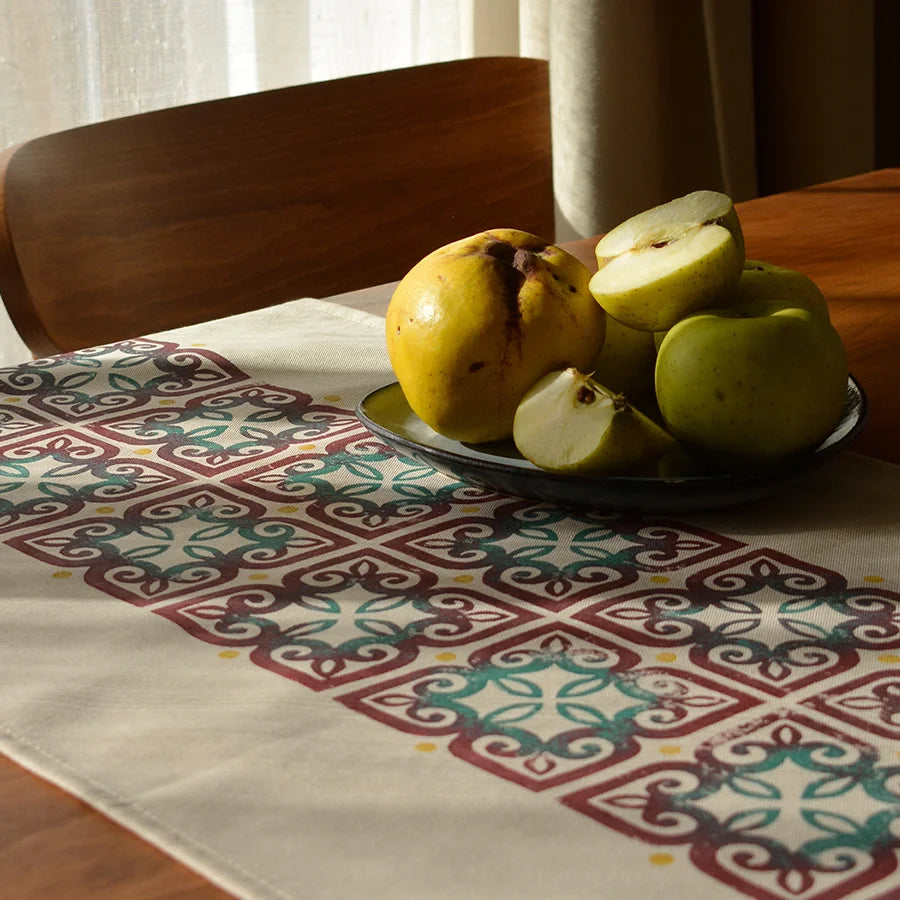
[[487, 463]]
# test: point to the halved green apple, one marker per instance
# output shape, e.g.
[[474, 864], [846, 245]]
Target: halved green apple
[[669, 261], [567, 422]]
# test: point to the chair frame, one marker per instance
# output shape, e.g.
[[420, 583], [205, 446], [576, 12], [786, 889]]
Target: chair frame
[[149, 222]]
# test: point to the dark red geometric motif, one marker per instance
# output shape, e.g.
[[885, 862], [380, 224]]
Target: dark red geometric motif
[[215, 432], [374, 501], [546, 706], [348, 618], [871, 702], [554, 557], [89, 383], [15, 422], [805, 811], [763, 618], [68, 470], [143, 554]]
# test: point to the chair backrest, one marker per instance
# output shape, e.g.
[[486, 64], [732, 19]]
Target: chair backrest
[[174, 217]]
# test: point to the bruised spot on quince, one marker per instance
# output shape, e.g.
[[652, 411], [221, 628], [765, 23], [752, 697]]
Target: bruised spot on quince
[[516, 265], [511, 278], [502, 251], [526, 261], [476, 366]]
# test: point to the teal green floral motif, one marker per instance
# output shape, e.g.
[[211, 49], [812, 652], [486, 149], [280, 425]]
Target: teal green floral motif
[[97, 381], [530, 552], [555, 557], [215, 432], [787, 809], [356, 484], [550, 705], [763, 617], [57, 474], [163, 548], [348, 617]]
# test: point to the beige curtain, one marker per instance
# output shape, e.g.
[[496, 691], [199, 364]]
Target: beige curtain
[[654, 98]]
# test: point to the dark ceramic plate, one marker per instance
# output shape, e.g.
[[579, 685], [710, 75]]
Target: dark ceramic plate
[[500, 467]]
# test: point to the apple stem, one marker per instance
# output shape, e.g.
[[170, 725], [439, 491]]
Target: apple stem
[[620, 401]]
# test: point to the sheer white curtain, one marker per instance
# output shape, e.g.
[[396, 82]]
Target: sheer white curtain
[[68, 62]]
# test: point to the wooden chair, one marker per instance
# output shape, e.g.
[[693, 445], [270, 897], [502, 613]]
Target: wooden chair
[[169, 218]]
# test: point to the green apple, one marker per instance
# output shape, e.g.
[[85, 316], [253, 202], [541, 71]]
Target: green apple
[[748, 386], [672, 260], [626, 362], [768, 283], [567, 422], [475, 323]]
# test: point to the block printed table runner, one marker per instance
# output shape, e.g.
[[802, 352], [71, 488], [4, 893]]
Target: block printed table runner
[[240, 625]]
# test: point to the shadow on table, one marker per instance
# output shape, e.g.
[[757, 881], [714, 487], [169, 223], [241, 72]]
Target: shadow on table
[[850, 493]]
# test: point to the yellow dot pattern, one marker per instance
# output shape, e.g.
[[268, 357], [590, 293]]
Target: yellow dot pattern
[[288, 509], [471, 509], [166, 402], [61, 573], [143, 451], [661, 859], [889, 658], [873, 579], [666, 657], [446, 656], [228, 654], [332, 398], [463, 579], [258, 576], [660, 579], [426, 747], [104, 510], [670, 749]]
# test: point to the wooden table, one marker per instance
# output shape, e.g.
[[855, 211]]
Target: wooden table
[[842, 234]]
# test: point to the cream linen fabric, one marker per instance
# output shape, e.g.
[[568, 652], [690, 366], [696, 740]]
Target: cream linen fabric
[[272, 790]]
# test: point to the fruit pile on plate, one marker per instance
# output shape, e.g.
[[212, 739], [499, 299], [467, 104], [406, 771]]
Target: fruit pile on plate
[[677, 348]]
